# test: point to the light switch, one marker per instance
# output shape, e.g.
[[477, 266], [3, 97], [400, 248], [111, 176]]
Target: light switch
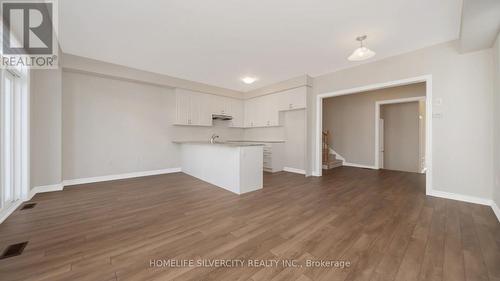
[[438, 101]]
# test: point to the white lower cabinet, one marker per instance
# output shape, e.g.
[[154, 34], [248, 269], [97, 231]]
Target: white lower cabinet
[[274, 157]]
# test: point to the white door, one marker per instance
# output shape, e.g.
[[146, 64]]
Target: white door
[[10, 143], [381, 143]]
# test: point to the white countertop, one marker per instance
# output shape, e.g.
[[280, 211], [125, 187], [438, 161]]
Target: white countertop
[[258, 141]]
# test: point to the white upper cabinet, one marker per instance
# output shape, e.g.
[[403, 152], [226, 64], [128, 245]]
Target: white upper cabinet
[[237, 111], [191, 108], [264, 111], [194, 108], [292, 99]]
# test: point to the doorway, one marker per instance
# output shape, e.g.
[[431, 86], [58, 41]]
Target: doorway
[[427, 79], [401, 134]]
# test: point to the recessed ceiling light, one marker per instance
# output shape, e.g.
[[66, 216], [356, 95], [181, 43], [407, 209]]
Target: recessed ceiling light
[[248, 80], [361, 53]]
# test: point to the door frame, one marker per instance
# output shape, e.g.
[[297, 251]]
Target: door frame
[[377, 124], [428, 122]]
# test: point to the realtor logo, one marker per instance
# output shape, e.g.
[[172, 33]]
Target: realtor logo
[[28, 34]]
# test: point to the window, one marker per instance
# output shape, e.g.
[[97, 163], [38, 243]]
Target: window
[[13, 139]]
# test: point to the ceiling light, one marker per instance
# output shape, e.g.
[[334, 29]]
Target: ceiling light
[[361, 53], [249, 80]]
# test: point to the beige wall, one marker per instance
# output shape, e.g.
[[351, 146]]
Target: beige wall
[[350, 119], [496, 130], [112, 126], [463, 135], [45, 127], [95, 67], [401, 136]]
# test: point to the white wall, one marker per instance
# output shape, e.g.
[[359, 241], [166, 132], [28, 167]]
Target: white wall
[[496, 130], [295, 135], [45, 127], [462, 138], [113, 126]]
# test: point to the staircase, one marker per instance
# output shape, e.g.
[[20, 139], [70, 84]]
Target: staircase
[[330, 160]]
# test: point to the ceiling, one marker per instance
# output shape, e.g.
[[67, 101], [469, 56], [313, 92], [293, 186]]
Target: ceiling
[[220, 41], [480, 24]]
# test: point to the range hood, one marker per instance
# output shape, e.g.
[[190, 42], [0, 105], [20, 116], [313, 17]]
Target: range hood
[[222, 117]]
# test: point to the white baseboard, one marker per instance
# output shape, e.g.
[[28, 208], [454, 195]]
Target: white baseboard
[[4, 214], [120, 176], [293, 170], [58, 187], [359, 166], [496, 209], [44, 188], [460, 197]]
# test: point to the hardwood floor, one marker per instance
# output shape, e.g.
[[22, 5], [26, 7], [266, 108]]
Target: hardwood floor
[[379, 221]]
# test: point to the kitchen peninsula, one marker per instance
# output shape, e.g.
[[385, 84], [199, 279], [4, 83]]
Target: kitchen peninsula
[[234, 166]]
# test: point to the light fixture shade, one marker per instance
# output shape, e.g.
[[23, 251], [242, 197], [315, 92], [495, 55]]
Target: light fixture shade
[[248, 80], [361, 53]]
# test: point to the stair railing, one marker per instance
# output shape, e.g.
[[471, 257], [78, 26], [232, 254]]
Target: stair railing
[[326, 153]]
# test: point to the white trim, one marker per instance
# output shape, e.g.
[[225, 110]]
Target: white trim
[[4, 214], [59, 186], [460, 197], [360, 166], [496, 209], [428, 148], [120, 176], [44, 188], [294, 170], [377, 123]]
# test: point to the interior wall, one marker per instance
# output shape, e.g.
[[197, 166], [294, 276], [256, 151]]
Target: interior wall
[[461, 83], [45, 127], [350, 119], [496, 130], [113, 126], [295, 136], [401, 136]]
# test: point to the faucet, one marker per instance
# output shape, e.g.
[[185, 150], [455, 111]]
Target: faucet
[[212, 139]]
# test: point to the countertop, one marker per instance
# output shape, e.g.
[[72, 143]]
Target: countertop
[[259, 141], [225, 143]]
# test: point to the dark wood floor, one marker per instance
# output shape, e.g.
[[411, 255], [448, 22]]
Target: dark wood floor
[[379, 221]]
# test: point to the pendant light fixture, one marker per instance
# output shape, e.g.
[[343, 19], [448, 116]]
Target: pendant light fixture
[[361, 53]]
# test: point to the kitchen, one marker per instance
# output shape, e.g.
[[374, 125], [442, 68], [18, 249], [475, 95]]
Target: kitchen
[[270, 136]]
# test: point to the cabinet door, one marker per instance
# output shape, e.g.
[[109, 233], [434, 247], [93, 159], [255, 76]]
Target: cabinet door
[[292, 99], [236, 110], [219, 105], [201, 113], [249, 112], [297, 98], [272, 110], [182, 108]]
